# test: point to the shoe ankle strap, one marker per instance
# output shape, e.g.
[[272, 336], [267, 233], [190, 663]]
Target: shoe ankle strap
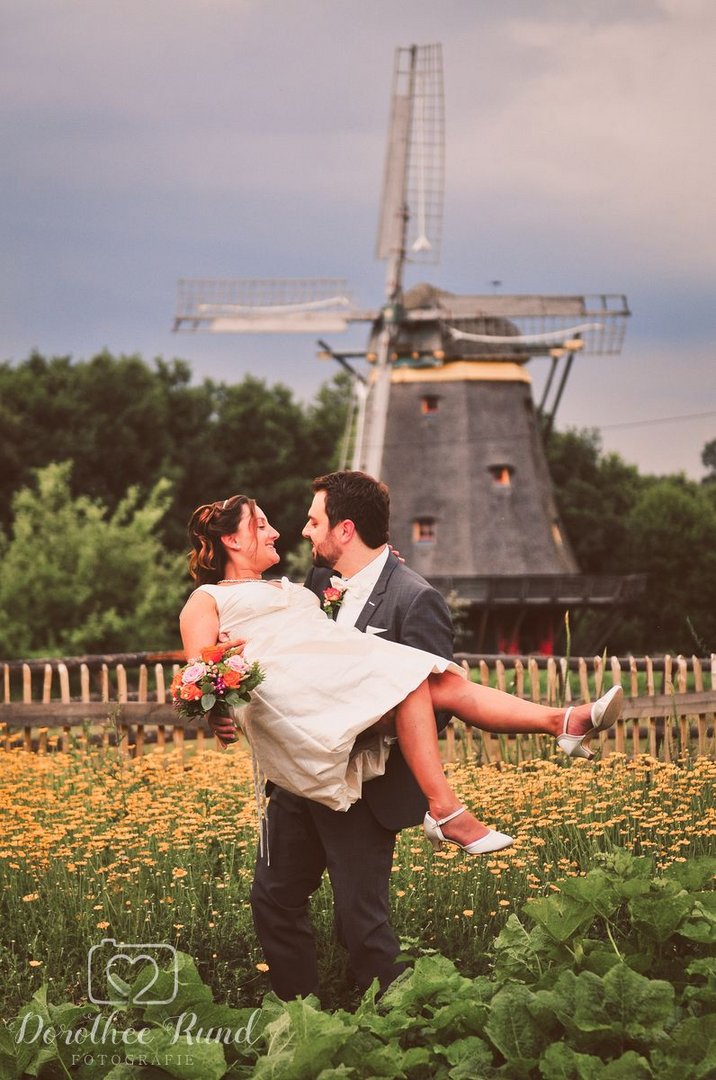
[[567, 712], [455, 813]]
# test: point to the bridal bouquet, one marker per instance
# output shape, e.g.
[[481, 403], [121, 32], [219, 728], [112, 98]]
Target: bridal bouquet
[[219, 679]]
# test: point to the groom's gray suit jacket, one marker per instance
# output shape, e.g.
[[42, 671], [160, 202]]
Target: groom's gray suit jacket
[[412, 612]]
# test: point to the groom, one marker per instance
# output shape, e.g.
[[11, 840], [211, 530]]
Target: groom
[[348, 530]]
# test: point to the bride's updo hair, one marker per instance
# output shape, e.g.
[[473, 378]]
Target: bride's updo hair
[[208, 524]]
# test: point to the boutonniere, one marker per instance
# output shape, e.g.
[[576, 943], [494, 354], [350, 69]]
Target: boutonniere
[[333, 598]]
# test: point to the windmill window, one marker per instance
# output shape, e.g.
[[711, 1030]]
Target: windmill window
[[429, 404], [502, 475], [424, 531]]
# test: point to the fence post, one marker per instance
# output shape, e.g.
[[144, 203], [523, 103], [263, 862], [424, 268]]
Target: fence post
[[161, 698], [6, 699], [122, 698], [533, 676], [501, 683], [493, 751], [46, 698], [700, 720], [651, 720], [27, 699], [566, 681], [104, 692], [668, 689], [142, 695], [682, 682], [85, 695], [64, 677], [449, 730], [584, 690], [552, 682], [619, 735], [634, 692], [467, 734], [598, 677], [177, 732]]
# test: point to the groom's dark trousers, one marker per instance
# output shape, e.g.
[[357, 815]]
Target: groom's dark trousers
[[356, 846]]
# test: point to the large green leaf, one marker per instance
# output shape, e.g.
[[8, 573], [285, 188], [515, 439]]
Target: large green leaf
[[694, 874], [519, 1025], [433, 979], [561, 916], [701, 925], [180, 1057], [656, 917], [597, 890], [524, 956], [303, 1040], [690, 1053], [605, 1012], [191, 992], [469, 1057], [366, 1055], [702, 992], [561, 1062]]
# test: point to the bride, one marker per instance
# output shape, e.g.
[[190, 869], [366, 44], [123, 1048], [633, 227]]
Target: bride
[[315, 724]]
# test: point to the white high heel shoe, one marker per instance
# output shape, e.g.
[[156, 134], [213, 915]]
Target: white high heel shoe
[[605, 711], [491, 841]]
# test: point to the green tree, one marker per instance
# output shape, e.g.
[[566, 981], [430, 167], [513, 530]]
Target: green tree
[[708, 458], [76, 578], [672, 536], [620, 522], [595, 494], [123, 422]]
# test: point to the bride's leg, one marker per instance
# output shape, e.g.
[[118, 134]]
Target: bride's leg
[[417, 735], [498, 711]]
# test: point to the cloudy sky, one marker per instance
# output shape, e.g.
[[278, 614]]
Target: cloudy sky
[[147, 140]]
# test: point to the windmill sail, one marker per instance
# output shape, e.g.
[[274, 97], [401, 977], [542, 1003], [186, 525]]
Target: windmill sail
[[410, 216], [410, 220]]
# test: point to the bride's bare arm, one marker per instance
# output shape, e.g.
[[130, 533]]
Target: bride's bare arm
[[198, 624]]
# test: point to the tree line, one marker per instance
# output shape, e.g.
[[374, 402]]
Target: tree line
[[102, 462], [622, 522]]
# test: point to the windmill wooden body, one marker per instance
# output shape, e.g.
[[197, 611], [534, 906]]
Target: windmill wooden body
[[445, 413]]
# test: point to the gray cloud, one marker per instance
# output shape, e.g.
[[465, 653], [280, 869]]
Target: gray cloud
[[145, 140]]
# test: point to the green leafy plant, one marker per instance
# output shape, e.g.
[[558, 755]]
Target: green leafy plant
[[614, 975]]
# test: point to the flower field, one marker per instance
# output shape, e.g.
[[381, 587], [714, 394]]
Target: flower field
[[158, 850]]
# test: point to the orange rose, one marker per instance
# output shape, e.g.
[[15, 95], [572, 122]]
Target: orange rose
[[212, 654], [232, 679], [190, 692]]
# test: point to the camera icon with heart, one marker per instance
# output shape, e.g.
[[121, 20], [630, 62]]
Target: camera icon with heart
[[114, 969]]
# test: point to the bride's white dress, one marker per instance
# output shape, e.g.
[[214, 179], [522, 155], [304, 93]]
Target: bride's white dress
[[324, 685]]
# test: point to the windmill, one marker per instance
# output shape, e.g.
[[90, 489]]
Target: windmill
[[445, 414]]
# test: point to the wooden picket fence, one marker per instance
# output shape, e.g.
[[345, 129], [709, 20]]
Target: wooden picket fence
[[123, 700], [669, 706]]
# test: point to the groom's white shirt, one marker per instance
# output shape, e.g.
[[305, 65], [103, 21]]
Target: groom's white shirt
[[359, 587]]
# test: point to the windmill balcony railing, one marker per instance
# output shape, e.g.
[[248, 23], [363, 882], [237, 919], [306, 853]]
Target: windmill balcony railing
[[122, 700], [567, 589]]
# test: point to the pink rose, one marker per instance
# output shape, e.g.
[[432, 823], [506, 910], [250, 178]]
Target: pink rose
[[193, 673], [237, 663]]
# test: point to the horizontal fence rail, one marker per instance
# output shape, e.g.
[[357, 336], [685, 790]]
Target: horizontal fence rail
[[123, 700]]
